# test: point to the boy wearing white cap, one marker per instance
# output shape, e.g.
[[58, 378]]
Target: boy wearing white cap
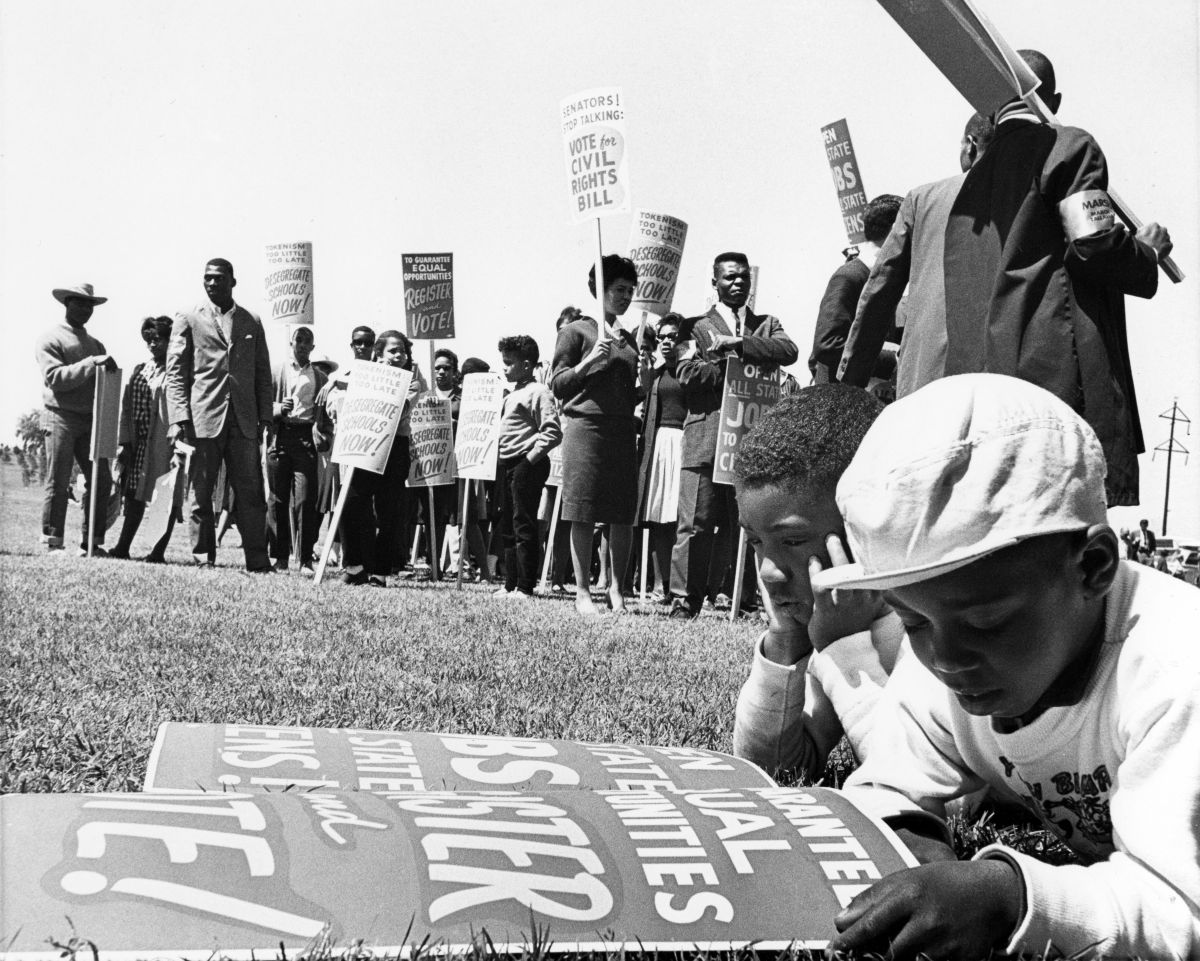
[[1046, 667]]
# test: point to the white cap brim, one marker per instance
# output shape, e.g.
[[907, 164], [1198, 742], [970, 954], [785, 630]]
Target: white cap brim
[[856, 577]]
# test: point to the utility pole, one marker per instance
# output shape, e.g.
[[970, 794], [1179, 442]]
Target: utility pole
[[1174, 415]]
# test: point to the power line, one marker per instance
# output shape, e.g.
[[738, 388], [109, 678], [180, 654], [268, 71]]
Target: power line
[[1174, 415]]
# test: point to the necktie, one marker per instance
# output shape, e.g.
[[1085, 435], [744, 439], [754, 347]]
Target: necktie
[[227, 325]]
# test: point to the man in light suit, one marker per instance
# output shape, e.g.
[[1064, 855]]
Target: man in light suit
[[730, 327], [219, 400], [912, 258]]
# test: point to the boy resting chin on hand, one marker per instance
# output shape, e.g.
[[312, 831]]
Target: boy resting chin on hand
[[804, 690]]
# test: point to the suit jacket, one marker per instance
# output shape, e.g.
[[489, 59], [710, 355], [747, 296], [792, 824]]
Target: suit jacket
[[209, 377], [1030, 295], [912, 257], [834, 318], [703, 376]]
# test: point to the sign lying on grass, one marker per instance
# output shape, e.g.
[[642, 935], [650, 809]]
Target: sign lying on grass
[[593, 132], [847, 181], [289, 282], [431, 444], [224, 756], [748, 392], [478, 439], [656, 249], [429, 295], [189, 874], [369, 415]]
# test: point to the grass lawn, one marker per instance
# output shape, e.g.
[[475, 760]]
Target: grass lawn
[[97, 653]]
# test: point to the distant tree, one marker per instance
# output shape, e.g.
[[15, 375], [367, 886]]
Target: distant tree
[[33, 440]]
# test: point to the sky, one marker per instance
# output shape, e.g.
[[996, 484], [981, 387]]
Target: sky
[[139, 139]]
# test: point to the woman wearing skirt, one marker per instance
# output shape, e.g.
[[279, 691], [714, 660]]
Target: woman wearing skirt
[[595, 378], [662, 445]]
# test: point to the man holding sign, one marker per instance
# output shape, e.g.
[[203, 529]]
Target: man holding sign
[[1036, 270], [68, 357], [730, 328]]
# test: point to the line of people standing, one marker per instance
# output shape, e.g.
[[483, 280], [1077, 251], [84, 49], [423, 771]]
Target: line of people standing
[[600, 375]]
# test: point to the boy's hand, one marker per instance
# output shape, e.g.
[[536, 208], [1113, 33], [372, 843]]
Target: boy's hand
[[840, 613], [786, 641], [964, 909]]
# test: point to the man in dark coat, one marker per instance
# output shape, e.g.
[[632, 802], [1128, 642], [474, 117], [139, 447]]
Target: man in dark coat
[[729, 327], [1036, 269], [840, 301]]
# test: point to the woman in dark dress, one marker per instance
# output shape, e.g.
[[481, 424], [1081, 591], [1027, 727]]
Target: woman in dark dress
[[595, 378]]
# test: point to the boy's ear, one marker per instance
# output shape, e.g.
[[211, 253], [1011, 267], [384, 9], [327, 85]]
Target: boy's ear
[[1099, 560]]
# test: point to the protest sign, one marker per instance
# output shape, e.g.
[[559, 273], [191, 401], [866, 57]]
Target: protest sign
[[106, 417], [593, 131], [477, 443], [106, 428], [268, 757], [431, 444], [369, 415], [656, 249], [847, 180], [429, 295], [970, 52], [289, 282], [966, 48], [556, 467], [184, 875], [748, 392]]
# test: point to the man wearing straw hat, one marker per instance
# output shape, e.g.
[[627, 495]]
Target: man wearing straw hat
[[68, 357]]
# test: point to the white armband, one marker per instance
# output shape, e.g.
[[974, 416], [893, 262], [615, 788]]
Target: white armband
[[1085, 213]]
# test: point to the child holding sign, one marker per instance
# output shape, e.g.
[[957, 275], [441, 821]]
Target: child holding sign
[[372, 524], [529, 430]]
